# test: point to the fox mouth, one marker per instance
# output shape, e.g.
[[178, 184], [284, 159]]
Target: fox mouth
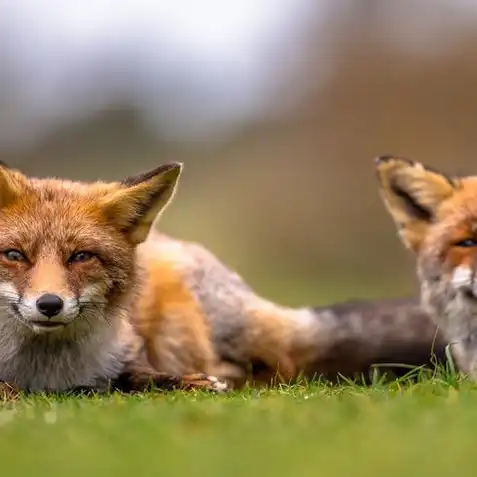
[[48, 324]]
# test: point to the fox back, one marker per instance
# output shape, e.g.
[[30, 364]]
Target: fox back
[[436, 216], [68, 274]]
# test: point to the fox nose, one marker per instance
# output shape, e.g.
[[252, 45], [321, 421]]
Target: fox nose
[[49, 304]]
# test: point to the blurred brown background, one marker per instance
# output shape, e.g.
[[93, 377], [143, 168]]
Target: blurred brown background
[[277, 110]]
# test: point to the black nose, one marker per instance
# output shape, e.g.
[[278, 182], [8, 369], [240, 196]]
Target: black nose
[[49, 304]]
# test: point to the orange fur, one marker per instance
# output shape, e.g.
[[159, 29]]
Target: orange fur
[[172, 323]]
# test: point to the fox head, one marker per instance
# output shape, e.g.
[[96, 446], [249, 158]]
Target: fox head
[[67, 249], [436, 218]]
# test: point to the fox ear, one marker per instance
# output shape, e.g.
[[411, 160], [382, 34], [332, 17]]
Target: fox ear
[[12, 185], [139, 200], [412, 194]]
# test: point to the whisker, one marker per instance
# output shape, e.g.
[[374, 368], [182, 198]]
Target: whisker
[[92, 319], [101, 306], [94, 310], [9, 295]]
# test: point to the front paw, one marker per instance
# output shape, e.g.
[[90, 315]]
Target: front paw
[[145, 379], [201, 381]]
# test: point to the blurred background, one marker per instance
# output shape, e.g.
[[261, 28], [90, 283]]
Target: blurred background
[[277, 109]]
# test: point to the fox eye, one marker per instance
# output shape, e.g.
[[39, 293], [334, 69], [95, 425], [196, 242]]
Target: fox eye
[[466, 243], [13, 255], [81, 257]]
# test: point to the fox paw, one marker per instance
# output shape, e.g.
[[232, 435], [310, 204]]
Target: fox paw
[[203, 381]]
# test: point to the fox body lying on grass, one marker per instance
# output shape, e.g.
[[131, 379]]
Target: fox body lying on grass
[[436, 216], [88, 296], [199, 308]]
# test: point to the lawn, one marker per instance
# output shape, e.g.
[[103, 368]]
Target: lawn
[[392, 429]]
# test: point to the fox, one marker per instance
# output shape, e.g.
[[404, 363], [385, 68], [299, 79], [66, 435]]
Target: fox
[[70, 283], [436, 218], [94, 296]]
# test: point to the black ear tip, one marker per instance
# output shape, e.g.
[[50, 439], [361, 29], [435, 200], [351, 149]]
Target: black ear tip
[[168, 167], [160, 170], [385, 158], [172, 166], [4, 164]]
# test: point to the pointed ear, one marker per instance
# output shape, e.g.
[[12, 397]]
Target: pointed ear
[[412, 193], [12, 185], [139, 200]]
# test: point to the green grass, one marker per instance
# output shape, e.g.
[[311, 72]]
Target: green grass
[[393, 429]]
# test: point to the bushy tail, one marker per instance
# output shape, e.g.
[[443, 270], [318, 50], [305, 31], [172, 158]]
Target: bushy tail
[[355, 336]]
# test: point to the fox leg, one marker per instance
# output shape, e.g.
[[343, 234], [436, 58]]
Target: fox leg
[[147, 380], [174, 327], [130, 381]]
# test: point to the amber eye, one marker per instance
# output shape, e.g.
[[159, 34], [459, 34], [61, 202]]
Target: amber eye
[[466, 243], [81, 257], [13, 255]]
